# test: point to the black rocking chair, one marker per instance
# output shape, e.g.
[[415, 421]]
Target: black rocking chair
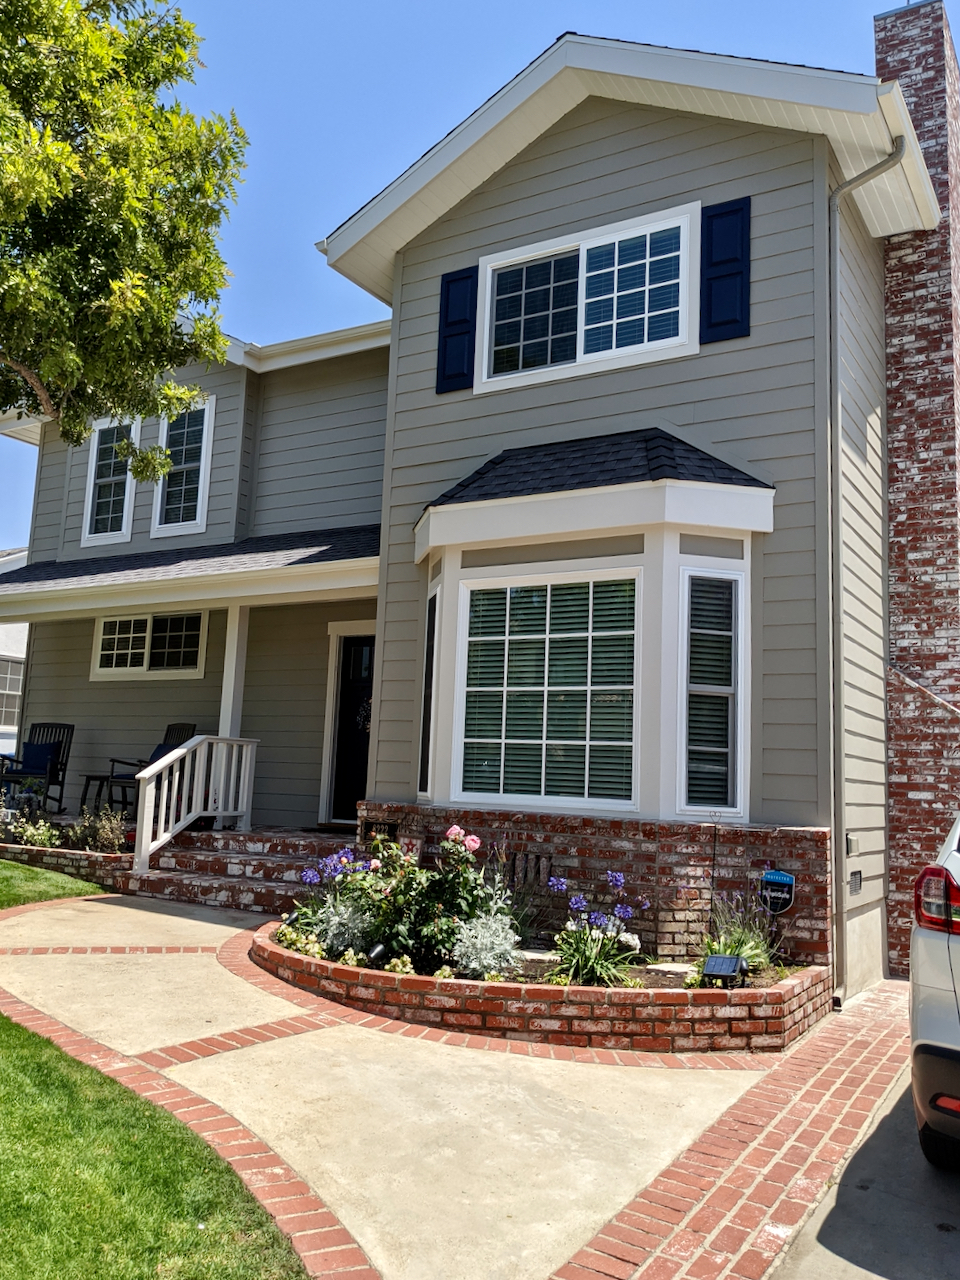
[[123, 773], [43, 759]]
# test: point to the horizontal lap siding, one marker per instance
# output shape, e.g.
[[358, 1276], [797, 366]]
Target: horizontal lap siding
[[862, 375], [320, 456], [124, 718], [48, 499], [227, 385], [283, 706], [751, 401]]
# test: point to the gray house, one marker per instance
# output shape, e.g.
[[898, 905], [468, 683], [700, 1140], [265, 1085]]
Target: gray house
[[587, 543]]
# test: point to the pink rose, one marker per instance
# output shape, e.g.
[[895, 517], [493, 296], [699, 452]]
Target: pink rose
[[375, 864], [455, 833], [473, 843]]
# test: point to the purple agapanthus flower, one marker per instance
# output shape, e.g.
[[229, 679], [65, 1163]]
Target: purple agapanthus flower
[[615, 879], [644, 905], [310, 875], [578, 902], [557, 884], [623, 912], [597, 919]]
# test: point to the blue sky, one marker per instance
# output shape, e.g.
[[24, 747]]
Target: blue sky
[[339, 98]]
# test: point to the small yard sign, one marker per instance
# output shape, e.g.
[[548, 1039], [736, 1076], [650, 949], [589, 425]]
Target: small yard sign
[[776, 891]]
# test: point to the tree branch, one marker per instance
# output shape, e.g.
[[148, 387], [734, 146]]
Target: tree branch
[[33, 381]]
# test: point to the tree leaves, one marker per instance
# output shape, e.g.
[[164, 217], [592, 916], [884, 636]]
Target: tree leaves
[[111, 199]]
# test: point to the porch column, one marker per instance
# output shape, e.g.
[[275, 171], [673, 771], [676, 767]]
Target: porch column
[[234, 670]]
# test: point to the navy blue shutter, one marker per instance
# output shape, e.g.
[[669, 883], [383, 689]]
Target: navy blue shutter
[[458, 329], [725, 271]]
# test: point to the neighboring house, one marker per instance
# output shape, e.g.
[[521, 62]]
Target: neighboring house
[[590, 541], [13, 649]]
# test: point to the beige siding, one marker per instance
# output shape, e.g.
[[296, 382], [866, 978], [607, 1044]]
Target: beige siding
[[116, 717], [48, 499], [862, 529], [320, 457], [284, 706], [750, 401]]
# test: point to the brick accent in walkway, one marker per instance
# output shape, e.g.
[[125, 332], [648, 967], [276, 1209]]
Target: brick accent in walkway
[[730, 1204]]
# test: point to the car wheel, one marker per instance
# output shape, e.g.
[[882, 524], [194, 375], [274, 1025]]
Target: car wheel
[[941, 1151]]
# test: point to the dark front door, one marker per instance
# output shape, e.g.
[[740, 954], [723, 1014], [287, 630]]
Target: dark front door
[[353, 727]]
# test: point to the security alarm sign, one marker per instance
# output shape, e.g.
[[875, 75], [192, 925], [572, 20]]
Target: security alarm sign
[[776, 891]]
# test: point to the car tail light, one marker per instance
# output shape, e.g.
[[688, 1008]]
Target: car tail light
[[937, 900], [949, 1105]]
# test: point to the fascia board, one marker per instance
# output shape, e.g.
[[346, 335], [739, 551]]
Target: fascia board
[[844, 106], [604, 510], [342, 579], [318, 346]]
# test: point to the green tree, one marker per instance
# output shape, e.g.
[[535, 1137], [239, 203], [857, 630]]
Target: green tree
[[111, 198]]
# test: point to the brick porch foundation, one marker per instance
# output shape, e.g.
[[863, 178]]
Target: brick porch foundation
[[676, 866]]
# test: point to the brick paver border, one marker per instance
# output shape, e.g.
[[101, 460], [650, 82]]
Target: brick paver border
[[732, 1201]]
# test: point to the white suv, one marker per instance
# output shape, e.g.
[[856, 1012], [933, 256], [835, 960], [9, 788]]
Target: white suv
[[934, 1005]]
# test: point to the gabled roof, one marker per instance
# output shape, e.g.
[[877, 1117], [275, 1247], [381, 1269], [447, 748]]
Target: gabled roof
[[252, 555], [858, 114], [626, 457]]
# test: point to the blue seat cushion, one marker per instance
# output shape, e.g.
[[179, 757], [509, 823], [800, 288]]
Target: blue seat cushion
[[37, 758]]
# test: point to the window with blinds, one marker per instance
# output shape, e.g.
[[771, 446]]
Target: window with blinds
[[549, 705], [711, 692]]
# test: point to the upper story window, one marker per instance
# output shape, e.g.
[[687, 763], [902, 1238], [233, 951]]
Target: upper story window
[[108, 503], [180, 505], [623, 294], [151, 647]]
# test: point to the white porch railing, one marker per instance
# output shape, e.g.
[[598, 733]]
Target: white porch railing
[[206, 777]]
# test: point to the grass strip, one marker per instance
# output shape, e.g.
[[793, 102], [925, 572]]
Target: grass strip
[[98, 1184], [20, 884]]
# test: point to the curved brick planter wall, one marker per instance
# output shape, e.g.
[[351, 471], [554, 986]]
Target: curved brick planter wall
[[654, 1021]]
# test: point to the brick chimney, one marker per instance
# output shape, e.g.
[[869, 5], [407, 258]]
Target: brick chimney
[[922, 285]]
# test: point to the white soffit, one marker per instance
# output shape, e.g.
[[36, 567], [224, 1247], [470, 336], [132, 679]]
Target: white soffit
[[610, 509], [24, 427], [858, 114], [319, 346]]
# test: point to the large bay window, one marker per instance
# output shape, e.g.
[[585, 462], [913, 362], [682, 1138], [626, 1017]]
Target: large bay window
[[548, 690]]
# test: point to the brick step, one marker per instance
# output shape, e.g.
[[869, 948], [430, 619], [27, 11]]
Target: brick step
[[308, 845], [208, 890], [227, 864]]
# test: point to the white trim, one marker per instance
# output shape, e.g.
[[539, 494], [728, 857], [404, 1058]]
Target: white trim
[[573, 804], [331, 707], [857, 114], [126, 673], [307, 350], [186, 592], [234, 671], [687, 343], [740, 757], [158, 530], [576, 512], [88, 539]]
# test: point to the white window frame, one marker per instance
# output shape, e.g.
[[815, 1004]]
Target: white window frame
[[331, 708], [740, 755], [128, 673], [502, 799], [685, 344], [123, 534], [159, 530]]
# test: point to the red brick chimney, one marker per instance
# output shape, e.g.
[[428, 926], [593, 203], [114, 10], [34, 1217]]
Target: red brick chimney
[[922, 283]]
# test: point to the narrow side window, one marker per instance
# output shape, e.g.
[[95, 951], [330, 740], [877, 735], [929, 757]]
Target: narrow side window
[[426, 722], [711, 693]]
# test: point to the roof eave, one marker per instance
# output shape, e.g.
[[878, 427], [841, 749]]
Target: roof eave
[[859, 115]]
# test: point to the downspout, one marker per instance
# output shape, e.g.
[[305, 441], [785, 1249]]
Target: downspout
[[836, 561]]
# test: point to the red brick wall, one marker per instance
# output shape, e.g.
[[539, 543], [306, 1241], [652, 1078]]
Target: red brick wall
[[675, 865], [656, 1021], [922, 280]]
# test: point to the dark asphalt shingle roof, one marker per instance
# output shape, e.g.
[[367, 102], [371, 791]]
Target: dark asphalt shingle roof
[[623, 458], [279, 551]]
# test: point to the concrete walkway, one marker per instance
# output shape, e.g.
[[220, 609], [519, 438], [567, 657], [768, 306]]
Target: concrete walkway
[[443, 1163]]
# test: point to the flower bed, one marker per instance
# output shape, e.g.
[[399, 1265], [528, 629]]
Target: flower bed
[[658, 1020]]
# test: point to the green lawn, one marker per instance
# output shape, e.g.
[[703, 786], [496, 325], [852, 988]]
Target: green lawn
[[98, 1184], [20, 884]]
